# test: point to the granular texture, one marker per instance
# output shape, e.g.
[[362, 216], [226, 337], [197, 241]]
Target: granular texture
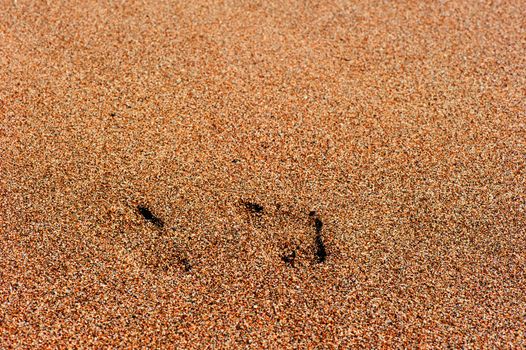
[[399, 125]]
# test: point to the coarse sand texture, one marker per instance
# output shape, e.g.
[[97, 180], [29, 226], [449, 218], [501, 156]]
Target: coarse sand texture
[[262, 174]]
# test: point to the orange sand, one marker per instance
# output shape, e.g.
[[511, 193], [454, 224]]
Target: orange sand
[[401, 124]]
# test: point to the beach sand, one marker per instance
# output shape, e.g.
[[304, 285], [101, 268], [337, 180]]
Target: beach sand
[[262, 174]]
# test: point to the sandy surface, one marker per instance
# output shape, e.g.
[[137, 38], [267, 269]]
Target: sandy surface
[[161, 164]]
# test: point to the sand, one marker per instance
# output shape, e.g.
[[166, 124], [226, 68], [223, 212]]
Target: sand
[[262, 174]]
